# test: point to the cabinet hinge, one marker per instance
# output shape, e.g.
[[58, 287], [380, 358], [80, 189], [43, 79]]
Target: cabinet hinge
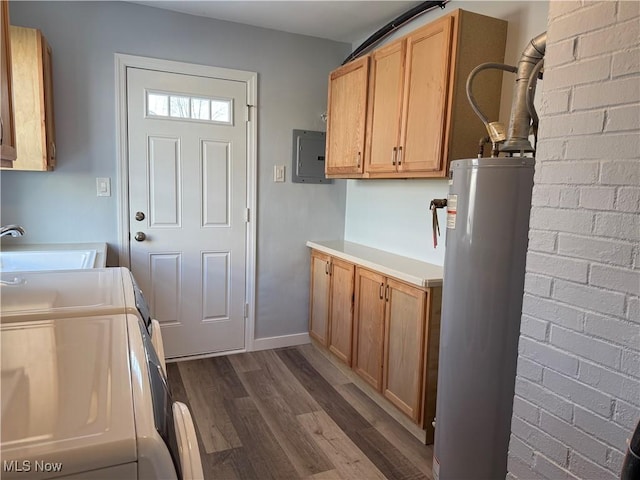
[[246, 310], [248, 113], [247, 215]]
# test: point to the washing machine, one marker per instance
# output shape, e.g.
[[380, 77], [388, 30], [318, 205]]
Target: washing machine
[[84, 391]]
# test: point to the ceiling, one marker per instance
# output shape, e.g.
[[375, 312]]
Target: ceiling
[[344, 21]]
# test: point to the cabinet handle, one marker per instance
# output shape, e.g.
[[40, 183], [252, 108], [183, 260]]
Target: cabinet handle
[[393, 155], [1, 131], [386, 294], [399, 155], [381, 288], [326, 267], [53, 149], [330, 268], [359, 158]]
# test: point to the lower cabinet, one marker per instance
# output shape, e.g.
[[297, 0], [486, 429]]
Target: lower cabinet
[[385, 329]]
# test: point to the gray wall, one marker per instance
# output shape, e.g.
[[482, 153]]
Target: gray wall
[[578, 384], [402, 220], [62, 206]]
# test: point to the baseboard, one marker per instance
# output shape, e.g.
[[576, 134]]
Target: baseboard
[[268, 343]]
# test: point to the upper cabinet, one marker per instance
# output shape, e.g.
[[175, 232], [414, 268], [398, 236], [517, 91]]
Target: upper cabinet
[[7, 122], [347, 119], [33, 100], [418, 118]]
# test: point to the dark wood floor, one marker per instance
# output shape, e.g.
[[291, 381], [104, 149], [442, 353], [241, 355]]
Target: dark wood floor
[[288, 414]]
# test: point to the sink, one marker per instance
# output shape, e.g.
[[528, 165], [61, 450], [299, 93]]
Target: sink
[[21, 261]]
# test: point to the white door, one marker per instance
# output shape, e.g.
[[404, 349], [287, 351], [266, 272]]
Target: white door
[[187, 142]]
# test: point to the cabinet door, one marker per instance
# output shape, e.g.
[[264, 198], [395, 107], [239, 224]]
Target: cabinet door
[[384, 109], [369, 326], [404, 347], [425, 97], [346, 118], [341, 309], [7, 125], [319, 298], [50, 129]]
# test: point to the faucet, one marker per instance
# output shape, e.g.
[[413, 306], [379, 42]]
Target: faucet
[[13, 230]]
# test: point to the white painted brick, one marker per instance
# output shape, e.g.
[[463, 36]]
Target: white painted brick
[[548, 356], [557, 267], [597, 198], [610, 382], [560, 53], [534, 328], [616, 92], [623, 118], [525, 410], [630, 363], [520, 469], [583, 123], [628, 199], [520, 449], [573, 438], [628, 9], [554, 101], [548, 149], [578, 73], [569, 172], [617, 331], [618, 37], [626, 415], [615, 461], [623, 226], [622, 146], [557, 9], [562, 220], [539, 440], [596, 299], [537, 285], [578, 393], [544, 398], [585, 19], [586, 469], [607, 251], [542, 241], [625, 62], [619, 172], [559, 314], [586, 347], [511, 476], [614, 278], [529, 370], [549, 468], [546, 195], [633, 309], [601, 428], [569, 197]]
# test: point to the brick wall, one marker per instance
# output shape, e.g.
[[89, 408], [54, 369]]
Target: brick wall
[[578, 384]]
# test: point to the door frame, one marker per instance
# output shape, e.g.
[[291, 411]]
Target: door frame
[[122, 62]]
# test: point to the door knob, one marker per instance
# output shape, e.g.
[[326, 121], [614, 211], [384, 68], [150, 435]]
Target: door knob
[[139, 216], [140, 237]]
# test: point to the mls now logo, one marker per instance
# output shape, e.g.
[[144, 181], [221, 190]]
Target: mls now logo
[[29, 466]]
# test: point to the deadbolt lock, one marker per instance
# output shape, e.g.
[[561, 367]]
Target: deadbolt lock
[[139, 216]]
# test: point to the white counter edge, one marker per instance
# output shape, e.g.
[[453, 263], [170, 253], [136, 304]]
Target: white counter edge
[[99, 247], [422, 274]]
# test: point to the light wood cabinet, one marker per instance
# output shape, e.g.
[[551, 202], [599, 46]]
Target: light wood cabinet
[[331, 304], [346, 119], [33, 100], [418, 117], [385, 329], [368, 341], [7, 121]]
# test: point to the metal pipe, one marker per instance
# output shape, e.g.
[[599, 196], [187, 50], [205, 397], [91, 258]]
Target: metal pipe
[[531, 92], [519, 122]]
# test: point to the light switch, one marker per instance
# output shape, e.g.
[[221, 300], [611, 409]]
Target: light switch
[[278, 173], [103, 187]]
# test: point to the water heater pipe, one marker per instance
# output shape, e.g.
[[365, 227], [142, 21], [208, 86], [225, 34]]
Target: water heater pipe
[[519, 122]]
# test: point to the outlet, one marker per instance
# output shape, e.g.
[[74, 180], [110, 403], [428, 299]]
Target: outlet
[[278, 173], [103, 187]]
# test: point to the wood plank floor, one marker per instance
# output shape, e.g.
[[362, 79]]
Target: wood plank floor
[[288, 414]]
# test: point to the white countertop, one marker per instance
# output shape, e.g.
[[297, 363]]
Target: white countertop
[[407, 269], [100, 248]]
